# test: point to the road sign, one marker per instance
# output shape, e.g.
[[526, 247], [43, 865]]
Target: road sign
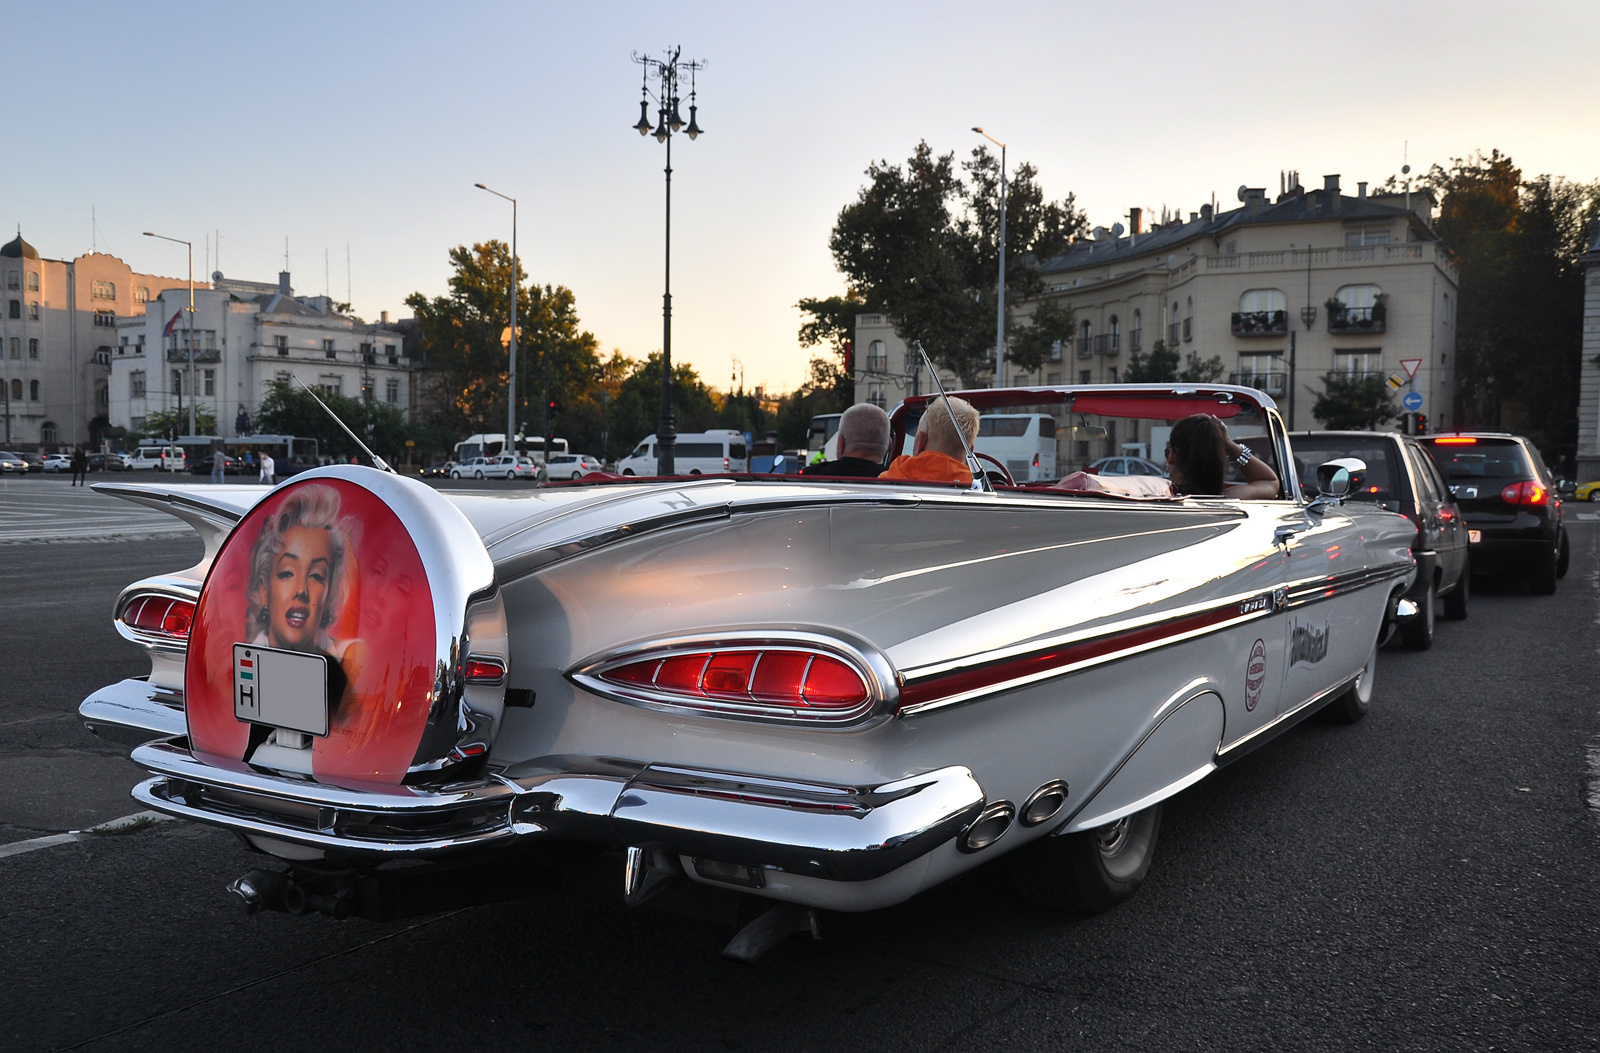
[[1411, 365], [1412, 401], [1395, 383]]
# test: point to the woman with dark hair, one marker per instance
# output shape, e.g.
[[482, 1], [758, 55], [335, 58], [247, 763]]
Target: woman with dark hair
[[1198, 452]]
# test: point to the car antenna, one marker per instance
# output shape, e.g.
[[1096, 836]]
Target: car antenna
[[378, 462], [972, 460]]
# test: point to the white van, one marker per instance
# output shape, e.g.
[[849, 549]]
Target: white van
[[1024, 442], [164, 458], [696, 453]]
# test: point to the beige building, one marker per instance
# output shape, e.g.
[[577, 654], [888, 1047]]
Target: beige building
[[1251, 285], [246, 336], [58, 328]]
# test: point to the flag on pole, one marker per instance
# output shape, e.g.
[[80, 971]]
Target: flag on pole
[[170, 325]]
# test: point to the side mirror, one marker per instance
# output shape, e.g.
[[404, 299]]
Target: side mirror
[[1338, 479], [1566, 486]]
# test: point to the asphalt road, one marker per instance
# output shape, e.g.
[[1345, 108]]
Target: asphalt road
[[1427, 879]]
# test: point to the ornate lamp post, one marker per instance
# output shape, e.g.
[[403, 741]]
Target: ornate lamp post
[[190, 245], [1000, 322], [516, 280], [667, 71]]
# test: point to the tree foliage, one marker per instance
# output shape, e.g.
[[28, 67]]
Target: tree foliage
[[1520, 318], [292, 411], [1164, 365], [164, 424], [1356, 402], [921, 244]]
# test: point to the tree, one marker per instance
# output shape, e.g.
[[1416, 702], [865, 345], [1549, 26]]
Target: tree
[[1159, 367], [1197, 370], [637, 410], [1353, 402], [1520, 317], [164, 423], [292, 411], [921, 244]]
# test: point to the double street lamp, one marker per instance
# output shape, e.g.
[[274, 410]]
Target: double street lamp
[[669, 121], [190, 245], [1000, 322], [511, 372]]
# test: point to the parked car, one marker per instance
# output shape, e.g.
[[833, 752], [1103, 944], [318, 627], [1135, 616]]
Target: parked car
[[106, 462], [570, 466], [57, 462], [200, 464], [1508, 497], [801, 693], [1402, 477], [1126, 465], [35, 461], [1587, 492], [441, 470], [470, 469], [12, 464], [508, 466]]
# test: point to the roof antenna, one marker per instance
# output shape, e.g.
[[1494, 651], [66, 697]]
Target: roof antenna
[[972, 460], [378, 462]]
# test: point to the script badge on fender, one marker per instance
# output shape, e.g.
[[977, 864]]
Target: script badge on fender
[[283, 689], [1255, 675]]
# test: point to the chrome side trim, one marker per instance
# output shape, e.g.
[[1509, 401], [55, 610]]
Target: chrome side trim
[[1233, 749], [873, 666], [1072, 652], [134, 711], [1327, 587]]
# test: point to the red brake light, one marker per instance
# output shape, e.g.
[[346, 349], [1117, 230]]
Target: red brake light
[[159, 615], [483, 669], [1456, 440], [754, 680], [1527, 492]]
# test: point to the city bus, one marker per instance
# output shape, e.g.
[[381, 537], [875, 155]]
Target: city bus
[[489, 444]]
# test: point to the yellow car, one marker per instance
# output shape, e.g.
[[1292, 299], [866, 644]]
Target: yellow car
[[1587, 492]]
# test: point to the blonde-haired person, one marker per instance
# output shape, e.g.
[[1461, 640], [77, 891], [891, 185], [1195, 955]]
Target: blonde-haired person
[[939, 455], [300, 568]]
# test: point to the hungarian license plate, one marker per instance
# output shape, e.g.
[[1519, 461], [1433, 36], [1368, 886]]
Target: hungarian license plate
[[1474, 536], [283, 689]]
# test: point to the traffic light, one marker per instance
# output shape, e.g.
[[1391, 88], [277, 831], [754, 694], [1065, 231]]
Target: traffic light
[[1422, 424]]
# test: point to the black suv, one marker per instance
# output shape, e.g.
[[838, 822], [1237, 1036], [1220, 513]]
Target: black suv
[[1509, 498], [1401, 477]]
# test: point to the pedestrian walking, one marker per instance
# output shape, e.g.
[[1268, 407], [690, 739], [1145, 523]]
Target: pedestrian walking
[[268, 468], [219, 462], [80, 466]]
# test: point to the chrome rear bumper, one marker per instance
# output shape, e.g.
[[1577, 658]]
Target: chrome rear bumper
[[134, 711], [844, 833]]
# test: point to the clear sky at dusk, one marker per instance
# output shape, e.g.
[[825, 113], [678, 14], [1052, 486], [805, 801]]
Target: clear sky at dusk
[[368, 124]]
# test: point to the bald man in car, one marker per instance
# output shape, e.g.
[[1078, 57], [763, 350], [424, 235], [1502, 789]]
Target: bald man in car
[[939, 454], [863, 440]]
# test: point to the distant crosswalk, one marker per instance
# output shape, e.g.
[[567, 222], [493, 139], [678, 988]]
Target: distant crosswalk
[[48, 509]]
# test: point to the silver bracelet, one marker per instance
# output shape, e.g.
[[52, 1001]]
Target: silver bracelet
[[1244, 456]]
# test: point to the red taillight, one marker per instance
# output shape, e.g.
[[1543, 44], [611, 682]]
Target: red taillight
[[483, 669], [159, 614], [1527, 492], [803, 681], [1456, 440]]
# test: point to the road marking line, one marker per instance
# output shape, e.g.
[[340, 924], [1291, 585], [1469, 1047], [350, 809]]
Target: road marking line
[[19, 848]]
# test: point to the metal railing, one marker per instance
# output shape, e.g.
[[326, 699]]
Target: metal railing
[[1358, 319], [878, 363], [1273, 384], [1260, 323]]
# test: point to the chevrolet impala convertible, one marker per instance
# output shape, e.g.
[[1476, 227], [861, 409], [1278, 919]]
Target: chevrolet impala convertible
[[790, 692]]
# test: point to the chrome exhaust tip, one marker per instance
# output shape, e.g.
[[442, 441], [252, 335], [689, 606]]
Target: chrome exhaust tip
[[987, 828], [1044, 803], [258, 890]]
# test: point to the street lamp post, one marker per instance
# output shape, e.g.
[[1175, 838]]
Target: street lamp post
[[1000, 320], [516, 282], [668, 121], [190, 245]]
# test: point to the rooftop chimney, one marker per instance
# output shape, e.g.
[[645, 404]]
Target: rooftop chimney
[[283, 283], [1194, 217], [1361, 190], [1330, 191], [383, 317], [1136, 220]]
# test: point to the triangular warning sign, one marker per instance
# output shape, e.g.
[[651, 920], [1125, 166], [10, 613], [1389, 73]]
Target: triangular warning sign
[[1411, 365]]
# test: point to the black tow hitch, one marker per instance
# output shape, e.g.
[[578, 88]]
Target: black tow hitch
[[406, 891]]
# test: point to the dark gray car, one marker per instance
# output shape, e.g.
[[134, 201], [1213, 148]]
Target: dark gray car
[[1403, 478]]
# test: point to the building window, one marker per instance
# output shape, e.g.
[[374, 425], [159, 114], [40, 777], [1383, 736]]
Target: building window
[[1053, 378], [1365, 362], [138, 423], [1258, 301], [328, 351], [283, 378], [389, 350], [33, 347], [1111, 378], [877, 357], [211, 381], [13, 280], [391, 390], [282, 344], [330, 384], [16, 391], [33, 281], [1369, 236], [1136, 333], [102, 396], [106, 319], [1444, 315], [141, 294], [1085, 337], [48, 433], [16, 309], [33, 311], [33, 391], [1114, 331], [1083, 376], [136, 384], [15, 345], [102, 290], [875, 395]]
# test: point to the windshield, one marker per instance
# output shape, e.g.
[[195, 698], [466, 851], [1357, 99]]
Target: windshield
[[1312, 450], [1489, 461]]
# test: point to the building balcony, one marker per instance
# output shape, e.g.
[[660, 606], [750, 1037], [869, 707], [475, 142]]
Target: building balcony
[[1274, 384], [201, 354], [1260, 323], [1357, 320]]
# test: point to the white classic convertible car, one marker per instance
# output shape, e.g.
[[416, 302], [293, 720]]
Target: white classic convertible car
[[830, 693]]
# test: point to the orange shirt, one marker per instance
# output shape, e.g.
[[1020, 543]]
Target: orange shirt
[[929, 466]]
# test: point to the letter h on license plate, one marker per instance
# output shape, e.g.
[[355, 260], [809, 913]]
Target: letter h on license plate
[[283, 689]]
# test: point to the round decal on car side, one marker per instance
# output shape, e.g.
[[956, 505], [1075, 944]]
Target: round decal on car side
[[1255, 675]]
